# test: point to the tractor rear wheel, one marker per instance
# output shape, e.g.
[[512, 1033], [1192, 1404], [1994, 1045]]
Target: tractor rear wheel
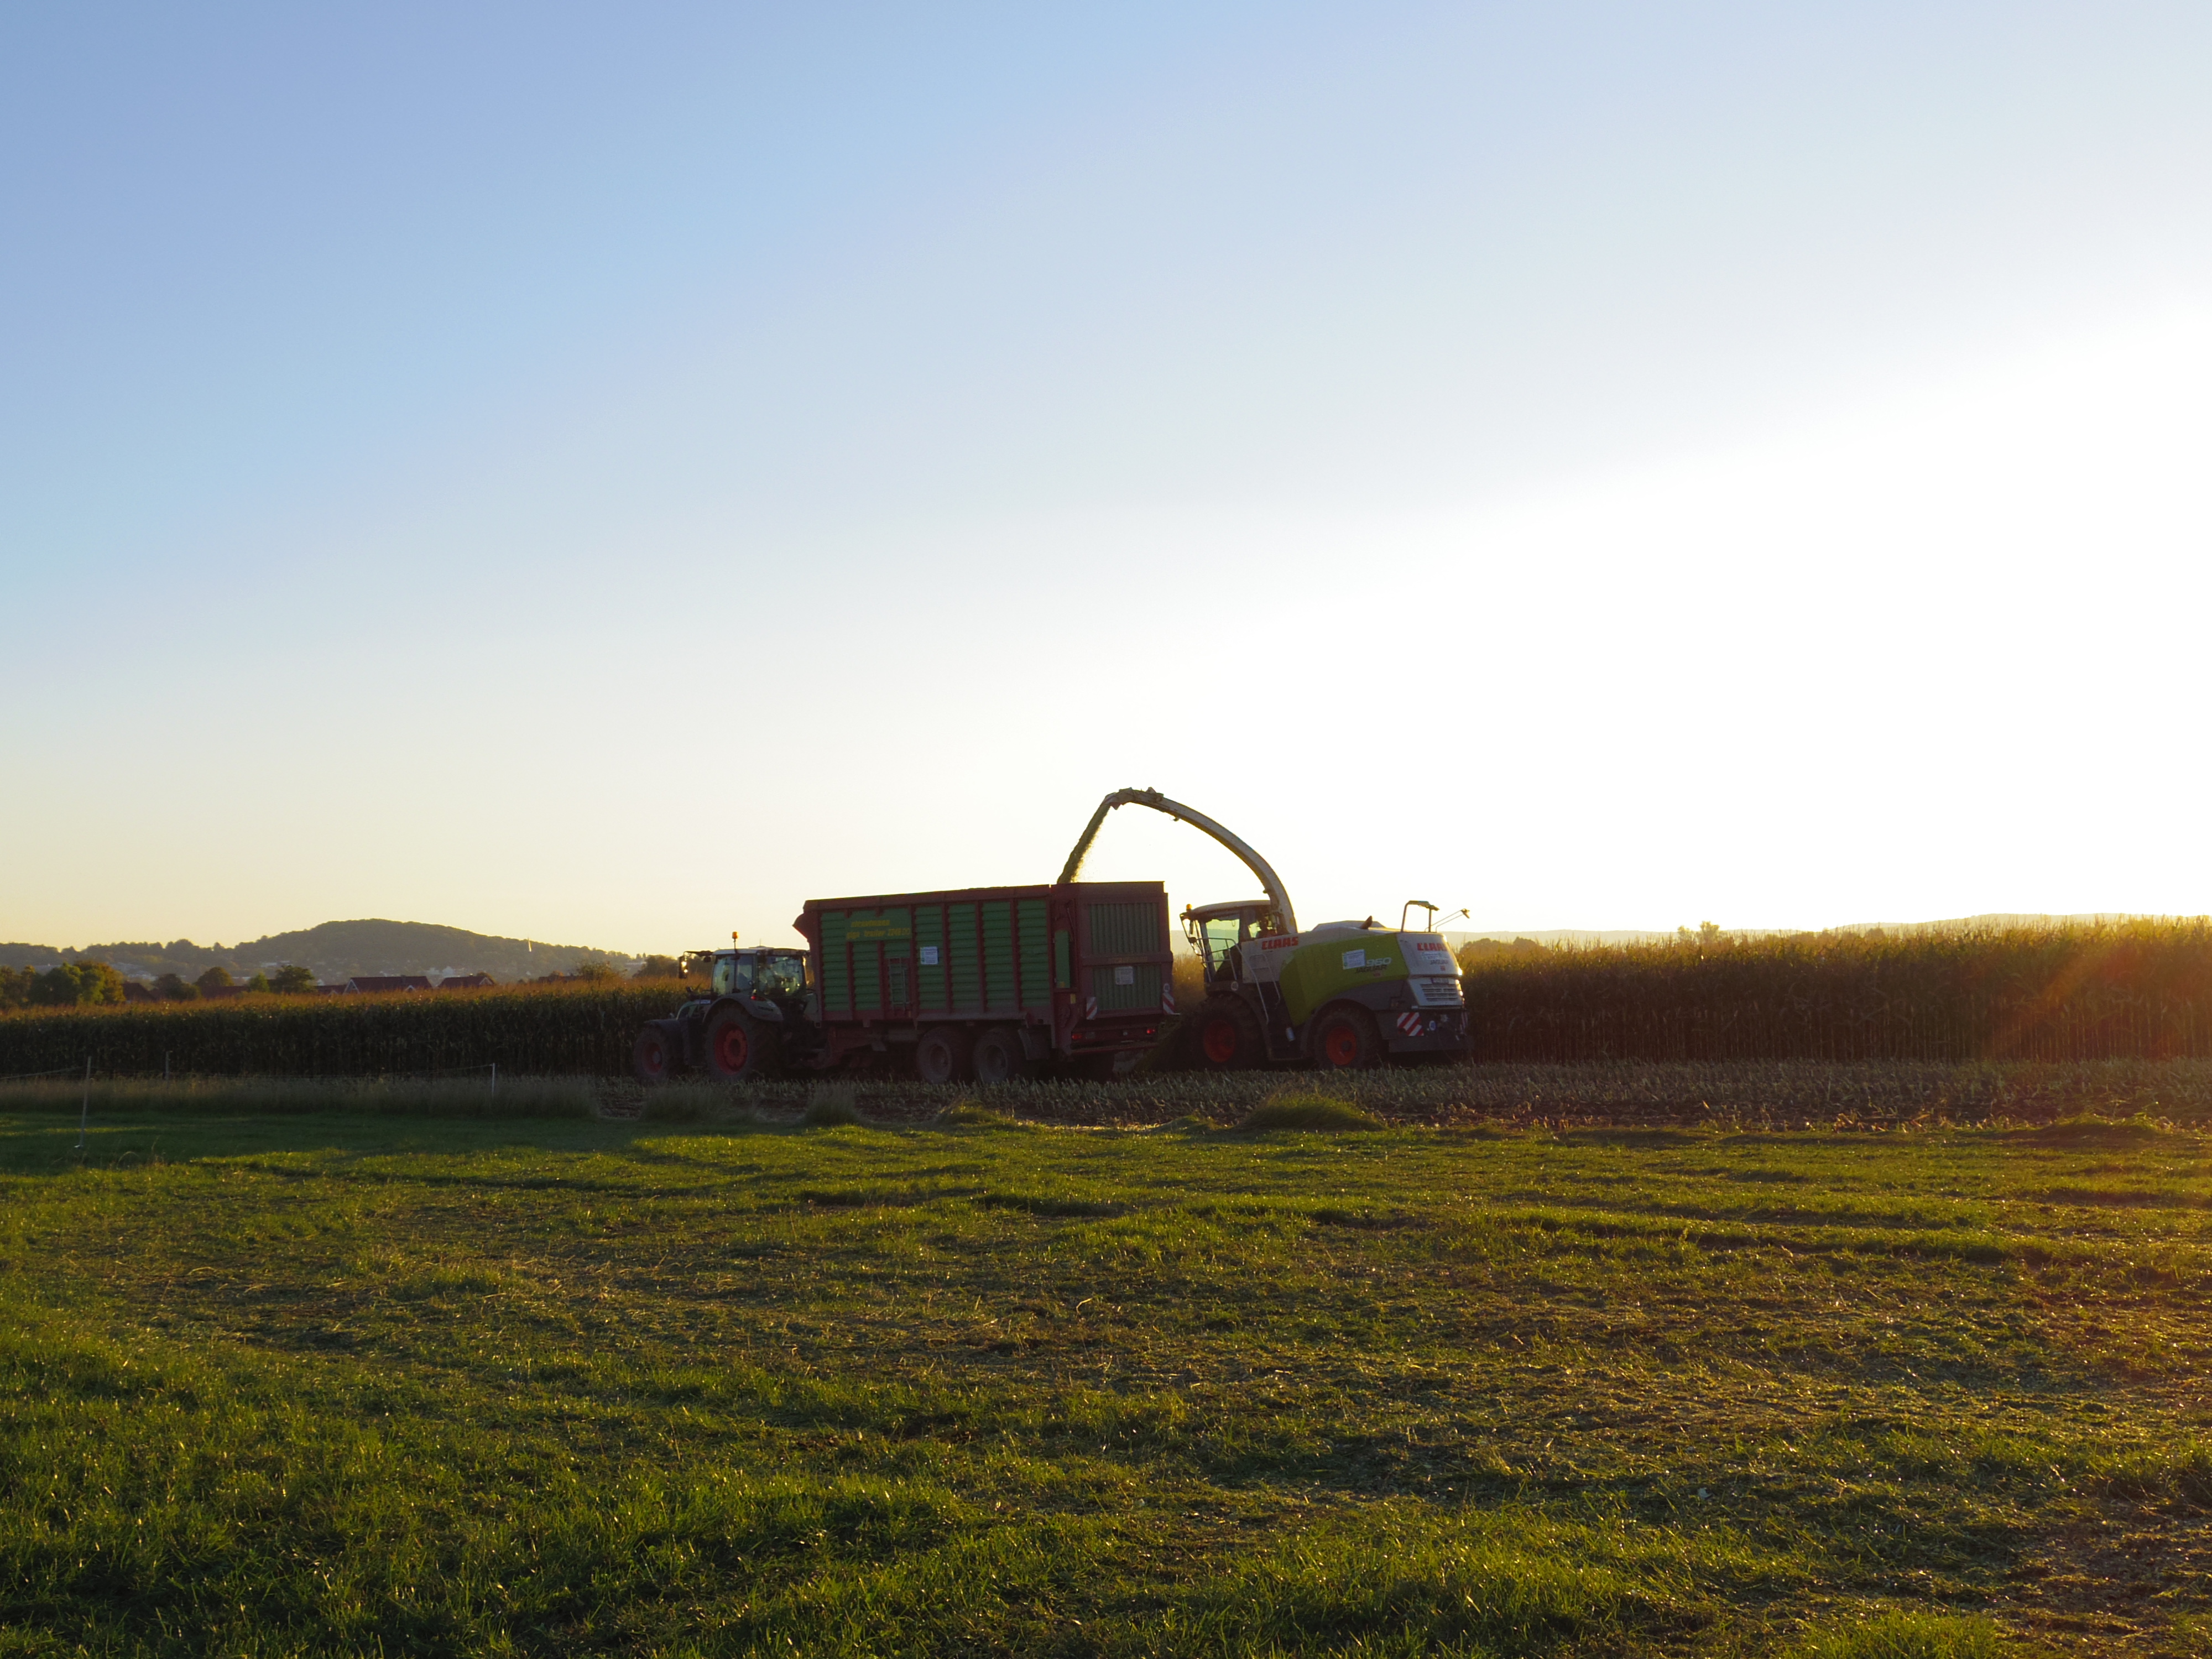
[[1226, 1035], [652, 1057], [999, 1056], [1344, 1041], [739, 1046], [941, 1056]]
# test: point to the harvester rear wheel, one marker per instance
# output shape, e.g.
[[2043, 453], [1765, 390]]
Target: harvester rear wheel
[[651, 1057], [941, 1056], [1225, 1034], [999, 1056], [1344, 1041], [739, 1046]]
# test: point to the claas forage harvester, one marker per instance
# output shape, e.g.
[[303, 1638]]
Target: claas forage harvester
[[1342, 996]]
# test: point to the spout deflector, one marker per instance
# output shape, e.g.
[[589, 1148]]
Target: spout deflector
[[1259, 867]]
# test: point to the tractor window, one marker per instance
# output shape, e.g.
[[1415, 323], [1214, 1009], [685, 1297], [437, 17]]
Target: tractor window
[[782, 975], [733, 974]]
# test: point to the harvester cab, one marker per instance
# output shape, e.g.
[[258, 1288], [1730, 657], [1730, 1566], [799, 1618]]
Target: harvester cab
[[1343, 994], [1218, 933]]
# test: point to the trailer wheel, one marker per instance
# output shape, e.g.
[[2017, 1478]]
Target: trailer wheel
[[1345, 1039], [999, 1056], [651, 1060], [941, 1056], [1226, 1036], [739, 1046]]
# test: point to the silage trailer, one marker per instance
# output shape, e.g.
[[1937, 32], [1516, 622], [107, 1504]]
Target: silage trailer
[[985, 983]]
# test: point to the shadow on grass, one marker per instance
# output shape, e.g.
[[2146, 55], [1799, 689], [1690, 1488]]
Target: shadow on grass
[[42, 1145]]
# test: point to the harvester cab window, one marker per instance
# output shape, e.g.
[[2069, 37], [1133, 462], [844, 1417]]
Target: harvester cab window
[[1221, 933], [783, 974]]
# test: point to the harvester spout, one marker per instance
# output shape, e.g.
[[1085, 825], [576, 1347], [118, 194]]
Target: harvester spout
[[1182, 814]]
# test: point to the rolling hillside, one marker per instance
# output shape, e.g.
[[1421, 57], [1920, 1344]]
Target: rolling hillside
[[335, 951]]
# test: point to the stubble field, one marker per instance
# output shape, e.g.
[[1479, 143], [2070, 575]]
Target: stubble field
[[342, 1383]]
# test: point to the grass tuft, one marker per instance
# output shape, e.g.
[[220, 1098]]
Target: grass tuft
[[832, 1106], [966, 1114], [1307, 1110], [1188, 1124], [2167, 1474], [1906, 1635]]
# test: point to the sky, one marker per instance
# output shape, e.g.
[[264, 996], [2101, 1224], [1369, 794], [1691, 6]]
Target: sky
[[609, 474]]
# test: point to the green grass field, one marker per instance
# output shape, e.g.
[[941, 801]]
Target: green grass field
[[341, 1383]]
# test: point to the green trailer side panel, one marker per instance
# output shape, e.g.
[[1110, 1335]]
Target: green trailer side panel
[[881, 925], [836, 983], [1124, 930], [868, 977], [965, 948], [998, 953], [881, 945], [1141, 990], [1036, 976], [932, 981], [990, 954]]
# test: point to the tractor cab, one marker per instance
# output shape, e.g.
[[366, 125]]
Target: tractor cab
[[1218, 934], [761, 973]]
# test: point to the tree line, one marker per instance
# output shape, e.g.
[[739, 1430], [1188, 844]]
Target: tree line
[[83, 984]]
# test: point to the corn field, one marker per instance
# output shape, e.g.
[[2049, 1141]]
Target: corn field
[[574, 1030], [2128, 991], [2132, 990]]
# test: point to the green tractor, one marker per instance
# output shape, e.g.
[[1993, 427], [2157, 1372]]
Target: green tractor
[[748, 1013], [1340, 996]]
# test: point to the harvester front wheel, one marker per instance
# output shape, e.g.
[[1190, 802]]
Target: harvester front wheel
[[1226, 1036], [651, 1058], [1344, 1041], [941, 1056], [739, 1046]]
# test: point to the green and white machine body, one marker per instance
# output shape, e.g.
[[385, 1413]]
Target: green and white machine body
[[1344, 993]]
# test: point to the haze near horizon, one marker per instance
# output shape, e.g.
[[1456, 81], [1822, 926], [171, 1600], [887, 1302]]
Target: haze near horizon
[[572, 474]]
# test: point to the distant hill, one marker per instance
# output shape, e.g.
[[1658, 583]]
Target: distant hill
[[337, 951]]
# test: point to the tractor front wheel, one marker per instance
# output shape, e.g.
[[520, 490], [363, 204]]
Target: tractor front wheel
[[1226, 1036], [739, 1046], [1344, 1041]]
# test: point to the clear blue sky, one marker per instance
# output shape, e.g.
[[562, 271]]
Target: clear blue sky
[[607, 474]]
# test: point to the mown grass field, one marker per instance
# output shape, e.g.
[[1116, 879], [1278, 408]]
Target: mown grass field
[[338, 1383]]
